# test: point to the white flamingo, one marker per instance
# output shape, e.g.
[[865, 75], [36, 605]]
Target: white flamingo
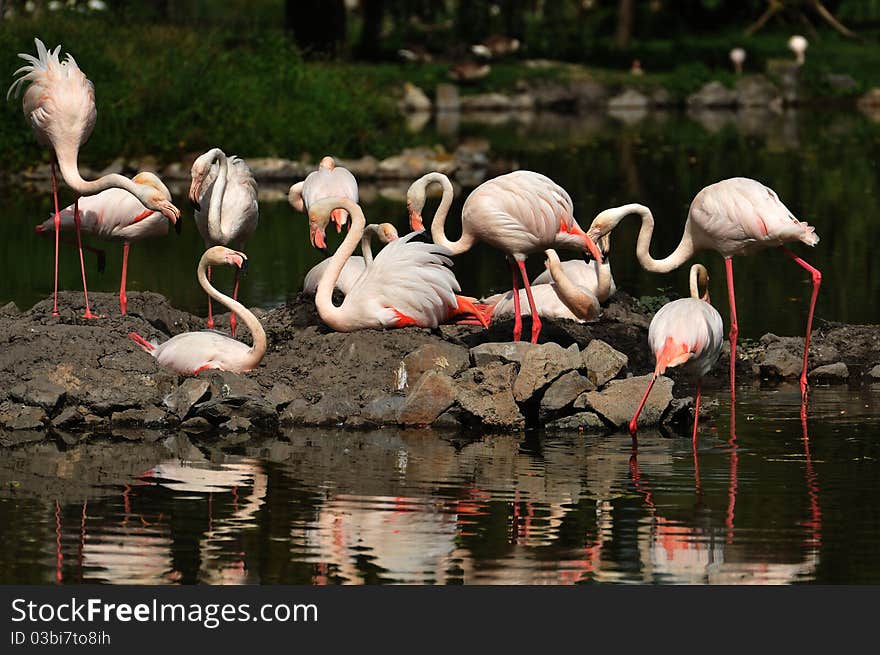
[[329, 181], [354, 265]]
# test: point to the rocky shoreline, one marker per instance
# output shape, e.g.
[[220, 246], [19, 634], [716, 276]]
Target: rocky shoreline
[[70, 378]]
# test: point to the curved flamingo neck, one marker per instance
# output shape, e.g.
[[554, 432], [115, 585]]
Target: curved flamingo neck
[[581, 302], [367, 242], [215, 218], [258, 349], [330, 313], [438, 222], [67, 162], [603, 278], [683, 251]]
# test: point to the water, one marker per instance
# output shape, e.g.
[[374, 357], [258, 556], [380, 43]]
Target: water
[[319, 507], [823, 165]]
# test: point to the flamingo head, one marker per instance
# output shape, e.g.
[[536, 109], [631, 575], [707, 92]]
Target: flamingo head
[[203, 173], [154, 195], [387, 232], [414, 205], [699, 282], [798, 45], [222, 256], [606, 221], [327, 163], [738, 56], [320, 215]]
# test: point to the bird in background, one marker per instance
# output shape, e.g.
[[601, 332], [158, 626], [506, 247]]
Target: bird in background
[[329, 181], [738, 58], [59, 105], [116, 215], [408, 284], [798, 45], [737, 216], [354, 265], [687, 332], [519, 213], [224, 194], [192, 352]]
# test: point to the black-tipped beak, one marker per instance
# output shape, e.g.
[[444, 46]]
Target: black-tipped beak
[[178, 225], [244, 266]]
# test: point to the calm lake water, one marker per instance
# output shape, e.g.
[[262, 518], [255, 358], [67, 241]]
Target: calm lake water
[[823, 165], [325, 507]]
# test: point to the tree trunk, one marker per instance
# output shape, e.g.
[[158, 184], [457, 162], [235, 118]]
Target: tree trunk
[[317, 25], [625, 15], [368, 45]]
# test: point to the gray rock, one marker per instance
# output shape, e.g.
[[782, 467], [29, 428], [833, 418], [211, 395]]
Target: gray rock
[[542, 364], [787, 73], [414, 99], [871, 99], [629, 99], [383, 410], [522, 102], [151, 417], [295, 412], [10, 439], [511, 351], [830, 372], [486, 102], [563, 392], [330, 410], [602, 362], [485, 394], [580, 422], [196, 424], [275, 168], [415, 162], [448, 420], [874, 373], [447, 98], [365, 167], [756, 91], [432, 394], [10, 309], [41, 392], [67, 418], [281, 395], [190, 391], [680, 415], [231, 386], [662, 98], [22, 417], [438, 356], [588, 94], [778, 362], [618, 401], [219, 410], [712, 94], [238, 424]]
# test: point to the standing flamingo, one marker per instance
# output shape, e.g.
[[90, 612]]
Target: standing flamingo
[[329, 181], [59, 104], [519, 213], [737, 216], [192, 352], [228, 188], [354, 265], [116, 215], [688, 332], [409, 283]]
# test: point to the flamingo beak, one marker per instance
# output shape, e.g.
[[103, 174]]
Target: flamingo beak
[[194, 191], [415, 221], [319, 240]]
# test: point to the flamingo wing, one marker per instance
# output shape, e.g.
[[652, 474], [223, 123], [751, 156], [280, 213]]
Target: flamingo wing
[[111, 215], [353, 269], [190, 352], [686, 330]]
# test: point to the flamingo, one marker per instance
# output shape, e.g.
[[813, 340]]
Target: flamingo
[[228, 188], [409, 283], [192, 352], [687, 332], [329, 181], [559, 294], [116, 215], [738, 58], [737, 216], [798, 45], [519, 213], [59, 105], [355, 265]]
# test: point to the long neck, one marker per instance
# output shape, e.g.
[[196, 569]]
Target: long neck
[[603, 278], [367, 242], [438, 223], [215, 226], [258, 349], [676, 258], [581, 302], [70, 172], [328, 312]]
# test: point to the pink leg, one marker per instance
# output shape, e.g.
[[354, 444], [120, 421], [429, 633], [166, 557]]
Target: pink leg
[[82, 264], [734, 329], [536, 320], [210, 310], [57, 234], [697, 413], [633, 424], [517, 318], [817, 280], [123, 299], [233, 322]]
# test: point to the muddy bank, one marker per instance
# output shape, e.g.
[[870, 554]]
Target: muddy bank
[[64, 377]]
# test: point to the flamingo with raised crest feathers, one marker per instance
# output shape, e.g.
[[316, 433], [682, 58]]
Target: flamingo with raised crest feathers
[[519, 213], [192, 352], [329, 181], [59, 105], [354, 265], [408, 284], [116, 215], [228, 188], [686, 332], [737, 216]]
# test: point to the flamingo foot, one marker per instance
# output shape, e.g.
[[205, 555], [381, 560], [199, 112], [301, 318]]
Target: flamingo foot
[[467, 306]]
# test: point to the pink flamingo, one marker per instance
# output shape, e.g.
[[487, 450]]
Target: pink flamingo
[[689, 332], [329, 181], [116, 215], [519, 213], [192, 352], [409, 283], [738, 216], [228, 188], [354, 265], [59, 105]]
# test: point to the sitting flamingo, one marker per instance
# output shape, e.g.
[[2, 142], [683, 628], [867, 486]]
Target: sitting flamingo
[[329, 181], [192, 352], [409, 283], [688, 332], [117, 215], [354, 265]]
